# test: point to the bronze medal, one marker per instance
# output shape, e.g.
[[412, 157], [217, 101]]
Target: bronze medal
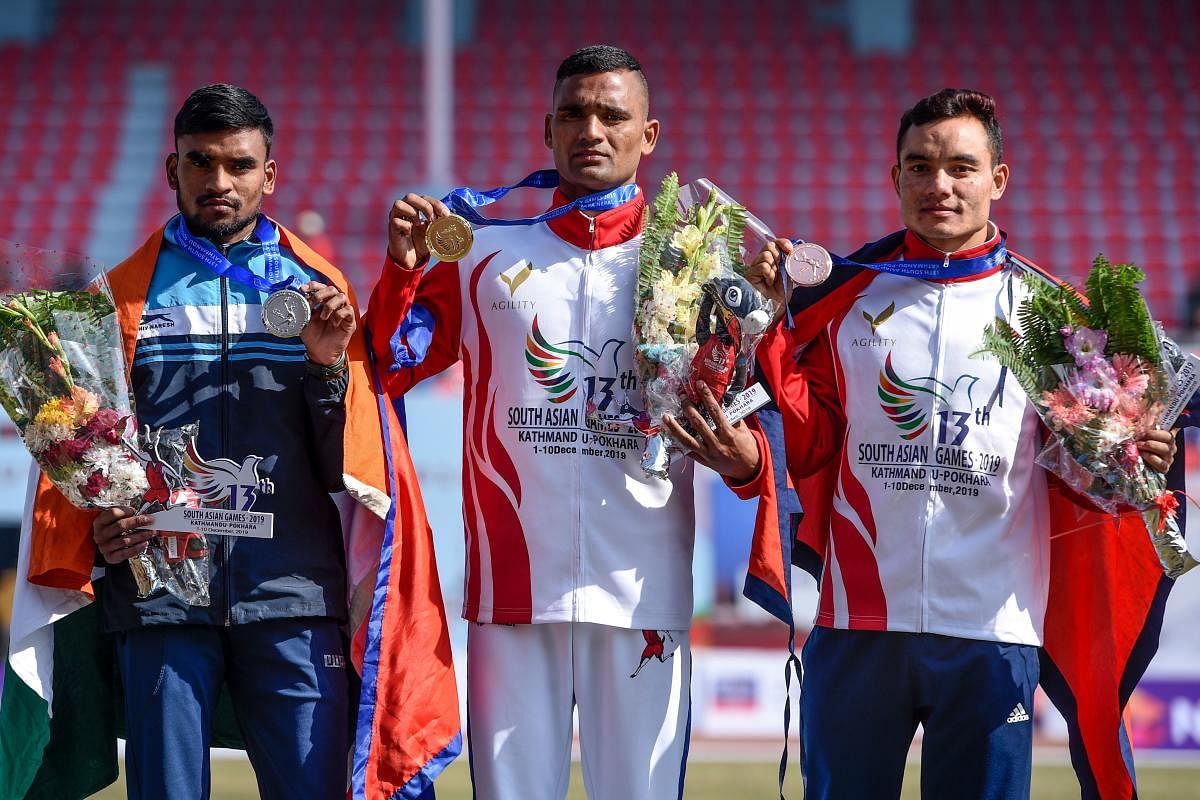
[[809, 264]]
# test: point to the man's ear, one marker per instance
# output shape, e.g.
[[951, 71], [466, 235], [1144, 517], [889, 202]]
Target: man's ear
[[999, 181]]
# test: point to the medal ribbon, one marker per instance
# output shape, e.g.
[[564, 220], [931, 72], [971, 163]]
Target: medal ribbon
[[464, 200], [931, 269], [207, 254]]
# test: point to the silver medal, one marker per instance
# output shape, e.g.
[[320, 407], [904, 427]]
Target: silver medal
[[809, 264], [285, 313]]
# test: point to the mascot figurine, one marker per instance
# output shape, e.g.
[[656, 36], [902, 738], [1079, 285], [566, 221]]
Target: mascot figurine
[[722, 363]]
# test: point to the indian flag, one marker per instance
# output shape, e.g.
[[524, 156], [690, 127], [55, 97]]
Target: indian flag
[[58, 720]]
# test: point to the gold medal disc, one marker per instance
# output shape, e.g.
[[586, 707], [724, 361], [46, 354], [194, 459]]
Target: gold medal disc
[[449, 238]]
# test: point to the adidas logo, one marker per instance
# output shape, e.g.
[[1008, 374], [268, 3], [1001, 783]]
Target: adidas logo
[[1019, 714]]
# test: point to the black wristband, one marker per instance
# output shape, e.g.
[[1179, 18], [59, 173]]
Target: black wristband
[[325, 372]]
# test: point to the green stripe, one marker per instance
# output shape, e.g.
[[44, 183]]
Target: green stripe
[[74, 753], [24, 732], [81, 758]]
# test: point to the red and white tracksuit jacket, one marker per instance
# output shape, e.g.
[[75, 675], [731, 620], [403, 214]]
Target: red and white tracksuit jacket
[[561, 523], [939, 518]]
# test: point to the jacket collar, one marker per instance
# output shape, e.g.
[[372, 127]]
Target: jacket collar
[[917, 249], [612, 227]]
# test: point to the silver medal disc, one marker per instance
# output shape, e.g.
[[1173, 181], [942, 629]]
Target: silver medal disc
[[285, 313], [809, 264]]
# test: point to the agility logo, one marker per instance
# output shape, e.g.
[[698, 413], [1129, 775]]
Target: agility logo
[[908, 403], [880, 318], [514, 281], [552, 365]]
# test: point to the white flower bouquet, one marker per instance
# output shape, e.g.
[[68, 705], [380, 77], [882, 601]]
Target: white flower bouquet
[[696, 319]]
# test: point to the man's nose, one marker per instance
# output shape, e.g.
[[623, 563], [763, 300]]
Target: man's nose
[[219, 181], [942, 185], [593, 129]]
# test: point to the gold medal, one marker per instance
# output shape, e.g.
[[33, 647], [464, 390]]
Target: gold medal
[[449, 238]]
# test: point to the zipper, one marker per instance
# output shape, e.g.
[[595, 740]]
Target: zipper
[[939, 429], [946, 260], [225, 540], [578, 461]]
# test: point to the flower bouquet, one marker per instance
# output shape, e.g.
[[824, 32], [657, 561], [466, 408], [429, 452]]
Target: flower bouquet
[[696, 319], [1095, 371], [63, 384]]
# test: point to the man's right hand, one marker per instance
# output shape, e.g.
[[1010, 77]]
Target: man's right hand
[[409, 218], [116, 533], [765, 272]]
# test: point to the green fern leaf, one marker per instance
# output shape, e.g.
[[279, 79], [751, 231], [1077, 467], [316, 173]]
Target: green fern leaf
[[656, 235]]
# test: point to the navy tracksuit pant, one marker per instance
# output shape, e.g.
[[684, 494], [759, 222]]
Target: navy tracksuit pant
[[864, 692], [289, 685]]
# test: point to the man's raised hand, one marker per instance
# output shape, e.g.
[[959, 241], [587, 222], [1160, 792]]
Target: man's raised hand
[[408, 220]]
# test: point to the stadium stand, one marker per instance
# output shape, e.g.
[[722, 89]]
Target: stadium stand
[[1099, 101]]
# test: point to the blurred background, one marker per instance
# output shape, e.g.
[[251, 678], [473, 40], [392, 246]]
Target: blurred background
[[791, 107]]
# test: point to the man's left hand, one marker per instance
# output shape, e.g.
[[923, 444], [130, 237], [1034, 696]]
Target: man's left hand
[[729, 450], [333, 322], [1158, 449]]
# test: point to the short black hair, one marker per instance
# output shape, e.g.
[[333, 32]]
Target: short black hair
[[597, 58], [223, 107], [949, 103]]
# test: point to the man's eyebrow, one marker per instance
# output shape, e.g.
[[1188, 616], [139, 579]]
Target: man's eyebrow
[[196, 155], [962, 158], [614, 109], [603, 108]]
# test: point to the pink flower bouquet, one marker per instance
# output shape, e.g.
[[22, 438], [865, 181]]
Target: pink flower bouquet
[[1097, 371], [1098, 409]]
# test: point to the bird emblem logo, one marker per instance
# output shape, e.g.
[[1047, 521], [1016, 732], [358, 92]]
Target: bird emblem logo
[[220, 480], [909, 403], [551, 364]]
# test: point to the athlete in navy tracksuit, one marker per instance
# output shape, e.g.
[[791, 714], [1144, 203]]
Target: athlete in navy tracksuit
[[272, 632]]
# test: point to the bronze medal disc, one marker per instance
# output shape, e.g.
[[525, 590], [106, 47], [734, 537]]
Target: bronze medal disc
[[809, 264], [449, 238]]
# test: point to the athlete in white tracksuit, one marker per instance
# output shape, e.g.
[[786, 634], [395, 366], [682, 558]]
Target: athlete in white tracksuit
[[916, 464], [578, 565]]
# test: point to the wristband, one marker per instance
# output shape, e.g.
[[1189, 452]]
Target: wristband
[[326, 372]]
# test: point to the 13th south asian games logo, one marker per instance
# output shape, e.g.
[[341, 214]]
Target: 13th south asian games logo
[[909, 404], [552, 365]]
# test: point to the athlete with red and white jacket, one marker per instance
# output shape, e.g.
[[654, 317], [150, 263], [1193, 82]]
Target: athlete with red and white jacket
[[936, 557], [578, 564]]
